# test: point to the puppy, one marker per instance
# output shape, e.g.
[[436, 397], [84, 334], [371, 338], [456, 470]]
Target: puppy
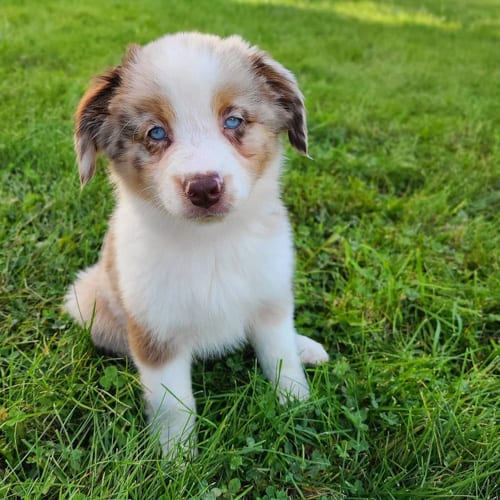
[[198, 256]]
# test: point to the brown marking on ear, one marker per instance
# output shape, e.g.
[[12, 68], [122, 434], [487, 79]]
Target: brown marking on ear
[[91, 114], [281, 88], [297, 131], [145, 347]]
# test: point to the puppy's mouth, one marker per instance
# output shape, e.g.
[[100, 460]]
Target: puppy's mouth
[[212, 214]]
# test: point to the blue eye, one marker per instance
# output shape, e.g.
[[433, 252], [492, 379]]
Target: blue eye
[[157, 133], [233, 122]]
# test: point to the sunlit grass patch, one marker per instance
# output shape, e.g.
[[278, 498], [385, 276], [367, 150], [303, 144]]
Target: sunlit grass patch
[[393, 14]]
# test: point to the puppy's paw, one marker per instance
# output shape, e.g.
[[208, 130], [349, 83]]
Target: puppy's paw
[[179, 452], [291, 389], [180, 448], [310, 351], [175, 430]]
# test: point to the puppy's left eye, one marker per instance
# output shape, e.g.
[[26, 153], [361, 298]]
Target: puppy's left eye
[[232, 122], [157, 133]]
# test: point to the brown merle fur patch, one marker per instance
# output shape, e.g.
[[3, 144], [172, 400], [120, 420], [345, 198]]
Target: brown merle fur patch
[[93, 112], [281, 90], [255, 140], [144, 347], [134, 155]]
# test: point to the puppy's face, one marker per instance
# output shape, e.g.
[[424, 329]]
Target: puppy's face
[[190, 122]]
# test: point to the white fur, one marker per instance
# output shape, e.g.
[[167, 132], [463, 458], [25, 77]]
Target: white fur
[[202, 288], [170, 402]]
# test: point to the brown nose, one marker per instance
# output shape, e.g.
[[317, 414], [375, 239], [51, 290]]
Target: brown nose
[[204, 191]]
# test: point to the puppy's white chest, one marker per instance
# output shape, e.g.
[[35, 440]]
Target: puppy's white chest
[[199, 292]]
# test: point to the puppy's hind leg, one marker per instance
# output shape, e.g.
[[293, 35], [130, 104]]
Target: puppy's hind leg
[[92, 303]]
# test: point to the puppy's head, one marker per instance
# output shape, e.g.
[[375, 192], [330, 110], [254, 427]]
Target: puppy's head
[[190, 122]]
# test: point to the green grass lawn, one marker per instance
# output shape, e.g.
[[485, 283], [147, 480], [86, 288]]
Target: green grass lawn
[[396, 225]]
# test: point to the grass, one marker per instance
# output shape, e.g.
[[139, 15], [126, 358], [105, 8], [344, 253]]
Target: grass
[[397, 236]]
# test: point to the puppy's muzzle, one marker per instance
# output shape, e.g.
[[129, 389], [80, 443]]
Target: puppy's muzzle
[[204, 190]]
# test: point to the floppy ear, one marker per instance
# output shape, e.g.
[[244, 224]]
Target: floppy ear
[[286, 96], [91, 115]]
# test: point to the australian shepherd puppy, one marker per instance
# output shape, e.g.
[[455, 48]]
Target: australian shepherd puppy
[[198, 256]]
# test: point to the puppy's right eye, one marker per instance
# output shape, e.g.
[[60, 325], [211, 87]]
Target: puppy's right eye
[[157, 134], [233, 122]]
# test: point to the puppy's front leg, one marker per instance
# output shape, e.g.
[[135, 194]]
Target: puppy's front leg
[[166, 378], [273, 337], [170, 403]]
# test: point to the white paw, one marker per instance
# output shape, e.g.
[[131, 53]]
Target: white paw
[[310, 351], [293, 386], [294, 391], [179, 451], [175, 430], [179, 447]]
